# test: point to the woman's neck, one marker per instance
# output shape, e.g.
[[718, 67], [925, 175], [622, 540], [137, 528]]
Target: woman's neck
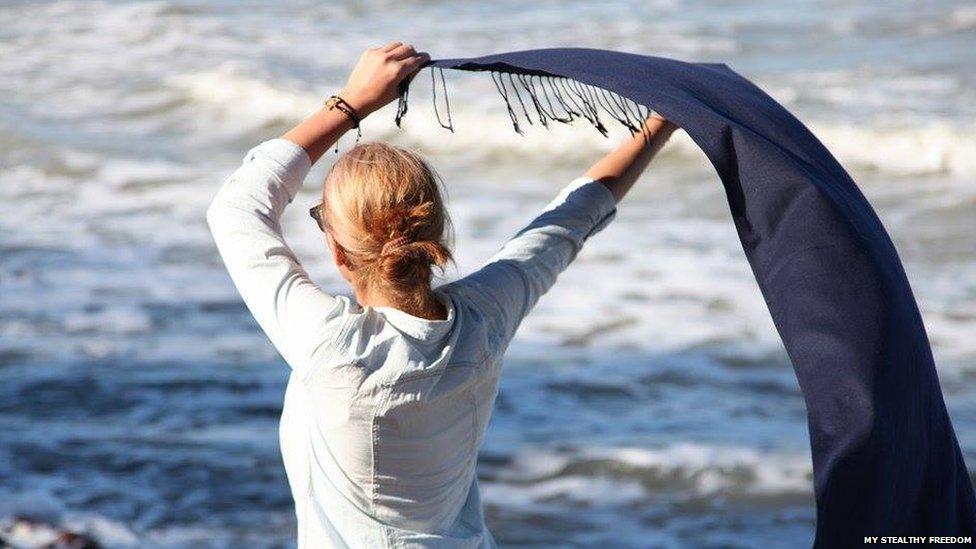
[[425, 305]]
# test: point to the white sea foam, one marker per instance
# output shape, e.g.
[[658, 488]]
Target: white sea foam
[[572, 489], [48, 519], [482, 129], [245, 98], [714, 468], [929, 147], [622, 471], [963, 18], [116, 320]]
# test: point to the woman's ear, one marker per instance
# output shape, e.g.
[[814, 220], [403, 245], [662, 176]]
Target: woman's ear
[[338, 252]]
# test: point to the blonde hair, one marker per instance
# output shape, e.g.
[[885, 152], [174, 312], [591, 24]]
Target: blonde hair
[[383, 206]]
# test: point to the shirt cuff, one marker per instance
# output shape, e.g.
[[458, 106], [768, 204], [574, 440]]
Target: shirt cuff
[[286, 159]]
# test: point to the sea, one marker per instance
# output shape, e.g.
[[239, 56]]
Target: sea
[[646, 402]]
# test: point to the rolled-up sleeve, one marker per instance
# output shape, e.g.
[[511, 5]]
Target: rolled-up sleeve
[[508, 286], [244, 218]]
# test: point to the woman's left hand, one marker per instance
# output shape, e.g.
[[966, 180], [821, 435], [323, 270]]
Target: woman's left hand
[[374, 81]]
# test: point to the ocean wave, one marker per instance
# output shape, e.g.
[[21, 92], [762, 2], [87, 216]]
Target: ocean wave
[[701, 469], [932, 146]]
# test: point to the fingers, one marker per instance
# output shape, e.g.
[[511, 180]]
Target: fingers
[[402, 52], [412, 64], [398, 51]]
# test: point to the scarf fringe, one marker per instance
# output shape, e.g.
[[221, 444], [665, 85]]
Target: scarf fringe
[[552, 99]]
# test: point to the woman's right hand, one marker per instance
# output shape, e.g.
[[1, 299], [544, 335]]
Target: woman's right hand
[[374, 81]]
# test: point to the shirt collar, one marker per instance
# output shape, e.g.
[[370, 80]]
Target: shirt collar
[[421, 328]]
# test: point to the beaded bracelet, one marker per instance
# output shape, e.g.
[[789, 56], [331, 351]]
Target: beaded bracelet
[[340, 104]]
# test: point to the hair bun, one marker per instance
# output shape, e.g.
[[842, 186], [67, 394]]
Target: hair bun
[[392, 246], [411, 259]]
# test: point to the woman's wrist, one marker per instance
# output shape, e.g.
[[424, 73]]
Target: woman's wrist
[[359, 102], [320, 131], [660, 123]]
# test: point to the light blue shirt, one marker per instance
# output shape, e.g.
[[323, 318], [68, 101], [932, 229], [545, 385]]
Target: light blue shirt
[[385, 412]]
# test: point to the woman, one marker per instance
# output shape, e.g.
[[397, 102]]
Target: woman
[[389, 397]]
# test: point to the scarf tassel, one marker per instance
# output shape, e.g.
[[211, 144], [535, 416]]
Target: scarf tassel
[[552, 98]]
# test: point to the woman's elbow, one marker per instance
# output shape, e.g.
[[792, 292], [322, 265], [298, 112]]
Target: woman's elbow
[[218, 217], [214, 215]]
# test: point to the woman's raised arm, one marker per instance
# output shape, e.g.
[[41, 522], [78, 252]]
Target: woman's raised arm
[[621, 168], [508, 286]]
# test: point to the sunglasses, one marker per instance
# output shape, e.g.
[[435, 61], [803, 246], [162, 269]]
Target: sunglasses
[[316, 213]]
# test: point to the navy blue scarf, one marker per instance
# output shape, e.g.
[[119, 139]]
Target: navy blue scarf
[[885, 458]]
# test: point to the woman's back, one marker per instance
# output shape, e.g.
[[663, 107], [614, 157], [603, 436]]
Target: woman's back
[[393, 426]]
